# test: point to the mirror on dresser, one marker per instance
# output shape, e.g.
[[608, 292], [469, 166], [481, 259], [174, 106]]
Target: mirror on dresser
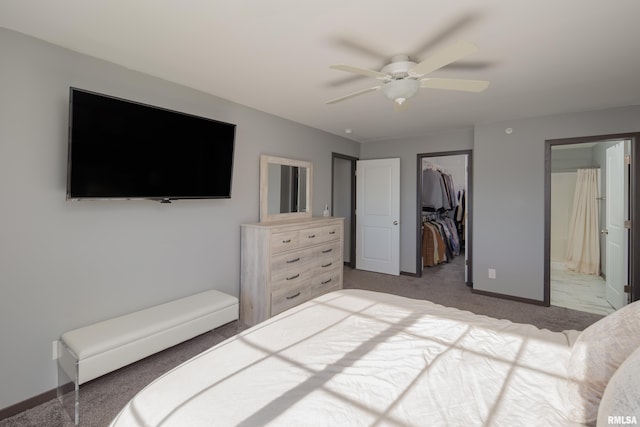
[[285, 188]]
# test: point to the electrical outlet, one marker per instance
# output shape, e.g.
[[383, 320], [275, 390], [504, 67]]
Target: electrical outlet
[[492, 273], [54, 350]]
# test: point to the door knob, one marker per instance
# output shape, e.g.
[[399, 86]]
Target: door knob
[[604, 231], [395, 222]]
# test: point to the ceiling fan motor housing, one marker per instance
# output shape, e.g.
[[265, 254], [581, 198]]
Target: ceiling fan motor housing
[[399, 66]]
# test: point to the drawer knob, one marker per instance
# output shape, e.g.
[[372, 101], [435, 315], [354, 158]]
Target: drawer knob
[[289, 261], [294, 296], [311, 236], [293, 277], [327, 265], [332, 232], [325, 282], [286, 241], [326, 251]]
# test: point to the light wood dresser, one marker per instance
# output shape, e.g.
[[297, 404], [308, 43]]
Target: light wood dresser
[[285, 263]]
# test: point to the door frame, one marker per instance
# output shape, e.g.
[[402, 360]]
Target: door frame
[[634, 208], [352, 233], [616, 297], [469, 208]]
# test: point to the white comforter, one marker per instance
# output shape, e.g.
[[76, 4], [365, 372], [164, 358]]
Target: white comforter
[[364, 358]]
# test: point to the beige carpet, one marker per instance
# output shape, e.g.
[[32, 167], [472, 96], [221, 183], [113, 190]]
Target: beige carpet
[[103, 398], [444, 285]]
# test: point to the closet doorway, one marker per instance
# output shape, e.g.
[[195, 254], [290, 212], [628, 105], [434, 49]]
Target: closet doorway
[[444, 213], [589, 245]]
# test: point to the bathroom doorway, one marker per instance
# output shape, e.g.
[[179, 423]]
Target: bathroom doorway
[[582, 256]]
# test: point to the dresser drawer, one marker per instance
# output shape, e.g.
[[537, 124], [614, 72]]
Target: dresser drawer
[[317, 235], [333, 232], [287, 264], [323, 283], [292, 279], [285, 299], [331, 260], [285, 241], [328, 250]]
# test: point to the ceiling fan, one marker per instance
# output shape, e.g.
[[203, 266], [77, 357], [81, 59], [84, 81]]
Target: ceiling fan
[[401, 78]]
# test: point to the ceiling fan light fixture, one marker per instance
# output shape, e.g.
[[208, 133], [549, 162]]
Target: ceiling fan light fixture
[[401, 79], [400, 90]]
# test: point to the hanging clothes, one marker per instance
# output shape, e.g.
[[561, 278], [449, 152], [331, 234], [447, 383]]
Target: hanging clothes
[[433, 246], [450, 188], [440, 206], [460, 209], [453, 235], [440, 241], [443, 216], [438, 191], [460, 216]]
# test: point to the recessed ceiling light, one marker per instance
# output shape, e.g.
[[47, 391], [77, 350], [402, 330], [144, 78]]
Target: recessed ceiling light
[[348, 131]]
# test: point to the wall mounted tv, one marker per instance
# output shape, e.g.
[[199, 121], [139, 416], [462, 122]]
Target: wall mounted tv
[[120, 149]]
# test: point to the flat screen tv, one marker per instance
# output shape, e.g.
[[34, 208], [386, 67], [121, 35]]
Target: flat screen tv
[[120, 149]]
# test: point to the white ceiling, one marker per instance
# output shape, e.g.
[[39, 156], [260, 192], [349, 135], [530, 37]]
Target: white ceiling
[[542, 56]]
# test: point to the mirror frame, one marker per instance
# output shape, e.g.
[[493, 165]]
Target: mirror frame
[[265, 160]]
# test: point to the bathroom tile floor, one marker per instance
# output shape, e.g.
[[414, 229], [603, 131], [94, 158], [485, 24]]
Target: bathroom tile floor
[[577, 291]]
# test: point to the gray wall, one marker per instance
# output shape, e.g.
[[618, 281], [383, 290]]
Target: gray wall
[[68, 264], [508, 192], [571, 159], [508, 203], [407, 150]]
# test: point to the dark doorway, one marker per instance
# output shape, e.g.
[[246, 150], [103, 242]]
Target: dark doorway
[[343, 199]]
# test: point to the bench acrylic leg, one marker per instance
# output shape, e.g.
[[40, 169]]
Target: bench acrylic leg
[[68, 387]]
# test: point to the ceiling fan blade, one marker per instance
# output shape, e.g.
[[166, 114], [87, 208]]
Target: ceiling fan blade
[[446, 33], [361, 71], [455, 84], [442, 58], [360, 47], [351, 95]]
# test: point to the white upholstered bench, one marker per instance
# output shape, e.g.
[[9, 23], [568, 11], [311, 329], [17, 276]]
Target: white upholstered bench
[[91, 351]]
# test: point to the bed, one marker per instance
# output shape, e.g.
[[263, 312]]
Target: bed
[[362, 358]]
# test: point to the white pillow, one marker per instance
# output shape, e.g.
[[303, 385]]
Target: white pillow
[[596, 355], [620, 402]]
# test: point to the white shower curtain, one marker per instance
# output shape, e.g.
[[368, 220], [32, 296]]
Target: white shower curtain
[[583, 245]]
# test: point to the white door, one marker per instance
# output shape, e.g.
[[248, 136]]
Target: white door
[[378, 215], [617, 235]]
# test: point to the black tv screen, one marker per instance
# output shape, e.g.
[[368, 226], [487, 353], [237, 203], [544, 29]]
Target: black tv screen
[[120, 149]]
